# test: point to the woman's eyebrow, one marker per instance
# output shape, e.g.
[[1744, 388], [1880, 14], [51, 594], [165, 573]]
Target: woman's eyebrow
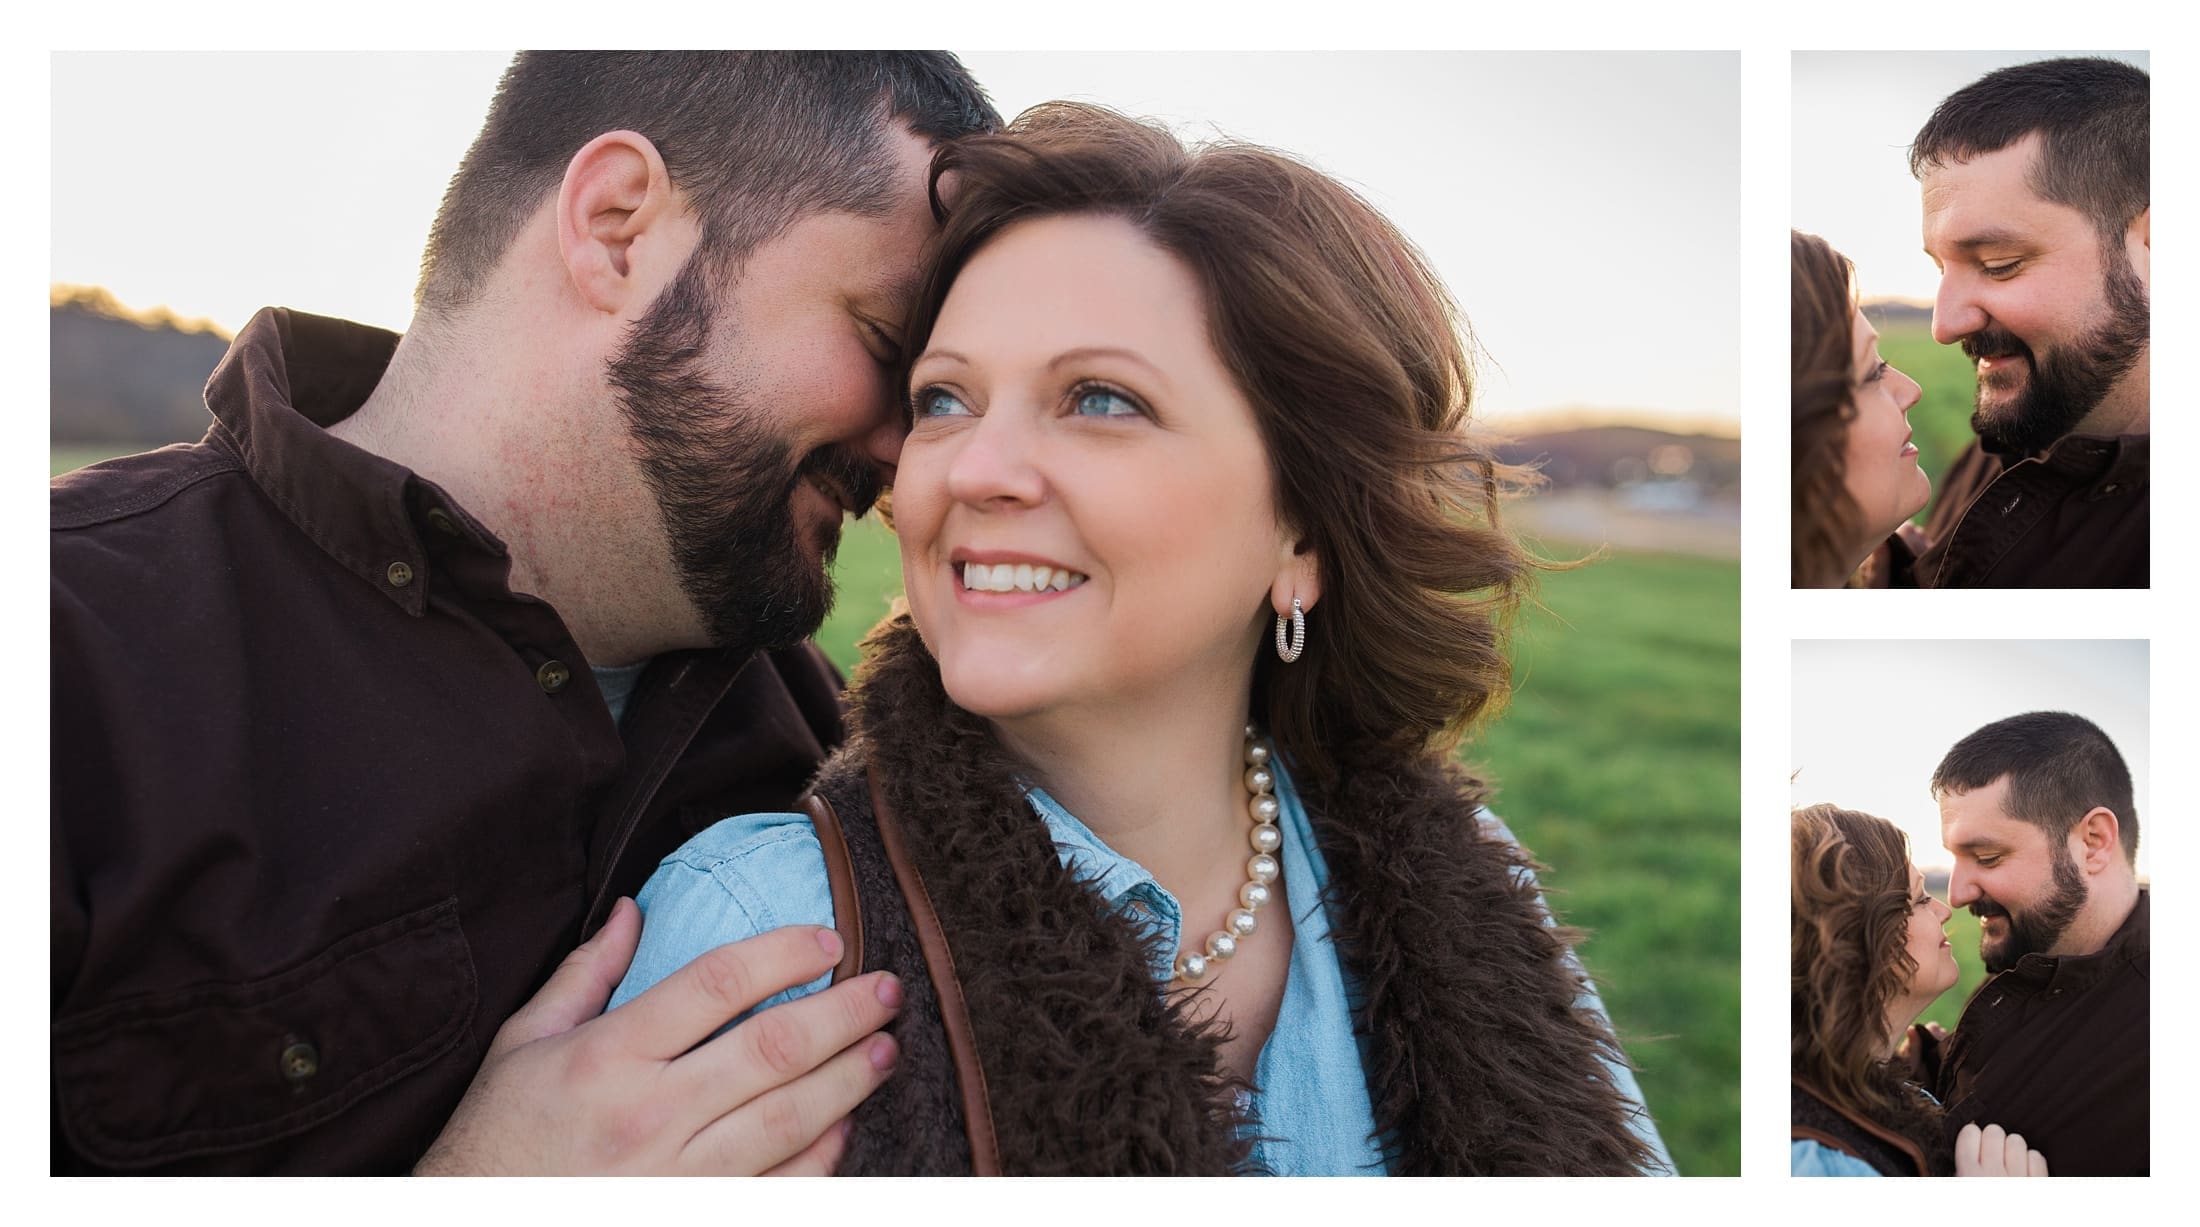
[[1086, 352]]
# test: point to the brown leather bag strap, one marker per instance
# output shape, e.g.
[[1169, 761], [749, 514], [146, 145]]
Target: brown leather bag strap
[[985, 1152], [841, 879]]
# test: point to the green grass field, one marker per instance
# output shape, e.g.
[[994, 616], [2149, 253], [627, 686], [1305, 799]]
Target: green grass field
[[1941, 422], [1618, 765]]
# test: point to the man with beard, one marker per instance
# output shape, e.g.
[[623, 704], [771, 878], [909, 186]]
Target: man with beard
[[2037, 811], [371, 705], [2036, 190]]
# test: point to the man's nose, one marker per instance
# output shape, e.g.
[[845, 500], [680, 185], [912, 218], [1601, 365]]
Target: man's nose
[[881, 445], [1961, 890], [1956, 314]]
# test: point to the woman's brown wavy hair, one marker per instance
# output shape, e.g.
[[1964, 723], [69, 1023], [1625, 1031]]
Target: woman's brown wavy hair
[[1356, 363], [1848, 960], [1821, 347]]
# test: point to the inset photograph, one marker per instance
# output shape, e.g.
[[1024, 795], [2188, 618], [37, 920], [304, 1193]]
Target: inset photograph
[[1969, 910], [1969, 321]]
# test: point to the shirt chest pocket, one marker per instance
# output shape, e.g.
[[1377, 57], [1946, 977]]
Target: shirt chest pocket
[[218, 1068]]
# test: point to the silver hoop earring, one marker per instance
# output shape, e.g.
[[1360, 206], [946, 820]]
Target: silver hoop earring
[[1298, 634]]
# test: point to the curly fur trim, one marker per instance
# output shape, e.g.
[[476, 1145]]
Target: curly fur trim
[[1478, 1062], [1090, 1070]]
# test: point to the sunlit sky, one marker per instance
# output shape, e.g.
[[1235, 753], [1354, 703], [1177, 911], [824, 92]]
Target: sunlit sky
[[1873, 718], [1566, 198], [1855, 115]]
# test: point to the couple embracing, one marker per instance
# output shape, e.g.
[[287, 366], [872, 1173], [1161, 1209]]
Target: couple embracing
[[1142, 848], [2036, 207], [2047, 1069]]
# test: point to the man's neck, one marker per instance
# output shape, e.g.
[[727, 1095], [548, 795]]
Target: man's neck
[[2125, 410], [2097, 923], [520, 447]]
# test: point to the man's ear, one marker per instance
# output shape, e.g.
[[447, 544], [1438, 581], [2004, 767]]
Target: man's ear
[[2138, 242], [622, 233], [2098, 835]]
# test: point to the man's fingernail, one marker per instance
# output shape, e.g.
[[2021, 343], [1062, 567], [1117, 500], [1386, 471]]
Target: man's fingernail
[[830, 941], [889, 992], [882, 1053]]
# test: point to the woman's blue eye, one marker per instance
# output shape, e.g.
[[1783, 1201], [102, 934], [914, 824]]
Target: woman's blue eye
[[1105, 402], [938, 403]]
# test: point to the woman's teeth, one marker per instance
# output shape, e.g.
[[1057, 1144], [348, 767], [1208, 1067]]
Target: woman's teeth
[[1018, 577]]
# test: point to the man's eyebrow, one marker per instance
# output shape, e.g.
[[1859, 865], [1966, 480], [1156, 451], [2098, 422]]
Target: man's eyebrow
[[899, 295], [1969, 845], [1987, 238]]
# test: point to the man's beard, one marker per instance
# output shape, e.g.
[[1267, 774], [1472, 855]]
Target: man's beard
[[2071, 381], [723, 485], [2036, 929]]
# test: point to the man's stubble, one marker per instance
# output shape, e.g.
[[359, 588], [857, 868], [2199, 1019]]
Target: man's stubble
[[724, 486], [2036, 929], [2072, 380]]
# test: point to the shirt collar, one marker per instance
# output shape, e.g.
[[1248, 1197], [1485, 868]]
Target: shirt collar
[[288, 377], [2071, 971], [2106, 465]]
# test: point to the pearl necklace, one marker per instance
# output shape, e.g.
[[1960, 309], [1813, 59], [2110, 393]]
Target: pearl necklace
[[1260, 781]]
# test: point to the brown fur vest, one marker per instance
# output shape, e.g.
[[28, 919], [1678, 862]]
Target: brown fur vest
[[1477, 1061]]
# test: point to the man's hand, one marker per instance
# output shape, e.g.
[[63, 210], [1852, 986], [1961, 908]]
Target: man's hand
[[1991, 1152], [567, 1088]]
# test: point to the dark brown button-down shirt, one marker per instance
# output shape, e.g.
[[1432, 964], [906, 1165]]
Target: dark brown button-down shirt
[[2075, 517], [2055, 1048], [330, 800]]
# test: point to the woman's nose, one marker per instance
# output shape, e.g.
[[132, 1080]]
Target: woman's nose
[[996, 462]]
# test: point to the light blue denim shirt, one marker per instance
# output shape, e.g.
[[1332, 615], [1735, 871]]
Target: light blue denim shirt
[[757, 872], [1808, 1158]]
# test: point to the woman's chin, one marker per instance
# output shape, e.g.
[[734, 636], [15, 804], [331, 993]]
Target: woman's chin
[[1921, 490], [994, 693]]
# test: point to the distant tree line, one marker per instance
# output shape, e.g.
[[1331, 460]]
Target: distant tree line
[[125, 377]]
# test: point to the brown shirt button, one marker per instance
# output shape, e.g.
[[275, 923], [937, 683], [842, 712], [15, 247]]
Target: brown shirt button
[[553, 676], [441, 521], [300, 1062], [400, 575]]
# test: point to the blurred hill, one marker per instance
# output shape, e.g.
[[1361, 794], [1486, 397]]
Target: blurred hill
[[127, 377], [1884, 311], [1622, 457], [1631, 487]]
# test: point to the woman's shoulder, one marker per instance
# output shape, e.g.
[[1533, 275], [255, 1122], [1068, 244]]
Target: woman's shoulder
[[745, 875], [1808, 1158]]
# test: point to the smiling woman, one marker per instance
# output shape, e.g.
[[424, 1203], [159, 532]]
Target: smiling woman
[[1163, 902]]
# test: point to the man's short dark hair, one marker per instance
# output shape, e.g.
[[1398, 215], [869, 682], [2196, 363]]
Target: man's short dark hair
[[756, 140], [2059, 766], [2091, 114]]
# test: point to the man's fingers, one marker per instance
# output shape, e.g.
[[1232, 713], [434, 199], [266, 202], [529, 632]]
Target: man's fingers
[[681, 1010], [821, 1158], [1967, 1150], [786, 1121], [1993, 1150], [2035, 1163], [2013, 1161], [578, 989], [776, 1046]]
